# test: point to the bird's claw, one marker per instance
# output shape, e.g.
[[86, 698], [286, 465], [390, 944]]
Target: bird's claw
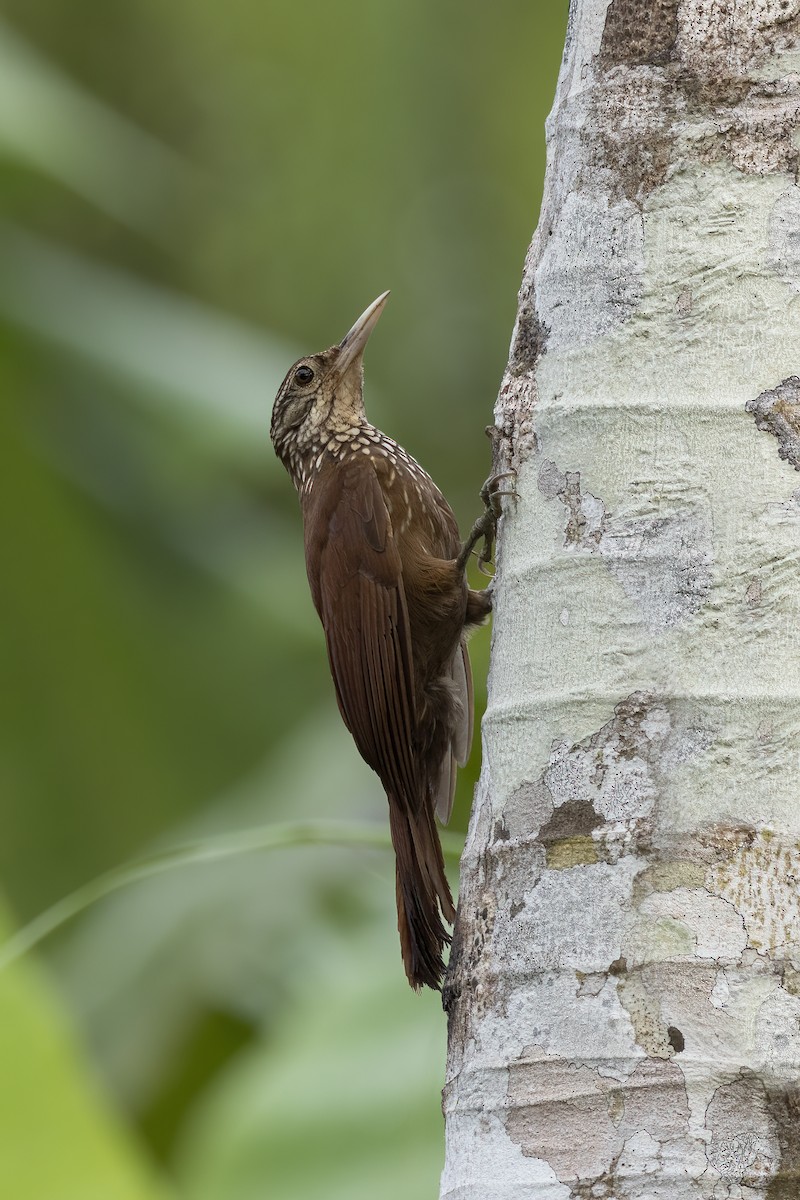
[[490, 493], [486, 525]]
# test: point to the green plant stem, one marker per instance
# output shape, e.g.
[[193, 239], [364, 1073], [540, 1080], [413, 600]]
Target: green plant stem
[[207, 850]]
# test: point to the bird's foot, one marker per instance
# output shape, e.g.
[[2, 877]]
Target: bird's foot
[[486, 525]]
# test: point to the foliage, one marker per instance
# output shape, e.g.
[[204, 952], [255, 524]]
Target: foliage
[[193, 194], [60, 1137]]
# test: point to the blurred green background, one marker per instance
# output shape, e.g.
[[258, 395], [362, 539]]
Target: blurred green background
[[193, 194]]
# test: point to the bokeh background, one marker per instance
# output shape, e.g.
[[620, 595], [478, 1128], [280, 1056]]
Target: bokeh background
[[191, 195]]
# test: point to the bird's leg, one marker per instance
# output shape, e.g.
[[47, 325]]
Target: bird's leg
[[486, 525]]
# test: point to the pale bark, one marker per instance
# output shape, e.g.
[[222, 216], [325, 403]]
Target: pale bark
[[624, 991]]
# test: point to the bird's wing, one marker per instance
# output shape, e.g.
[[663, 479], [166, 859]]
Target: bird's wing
[[458, 752], [462, 679], [362, 603]]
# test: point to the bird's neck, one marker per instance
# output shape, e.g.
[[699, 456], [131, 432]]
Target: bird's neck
[[303, 456]]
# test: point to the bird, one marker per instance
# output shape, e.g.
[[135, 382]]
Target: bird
[[387, 572]]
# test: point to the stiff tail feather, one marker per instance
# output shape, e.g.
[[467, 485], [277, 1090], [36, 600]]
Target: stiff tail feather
[[423, 893]]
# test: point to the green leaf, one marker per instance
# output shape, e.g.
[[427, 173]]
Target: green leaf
[[49, 122], [340, 1102], [58, 1138], [210, 367]]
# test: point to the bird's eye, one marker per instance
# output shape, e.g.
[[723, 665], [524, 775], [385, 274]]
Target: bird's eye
[[303, 375]]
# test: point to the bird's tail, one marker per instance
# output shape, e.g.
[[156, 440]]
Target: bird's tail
[[423, 893]]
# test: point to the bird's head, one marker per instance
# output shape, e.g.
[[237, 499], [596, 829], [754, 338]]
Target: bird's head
[[322, 395]]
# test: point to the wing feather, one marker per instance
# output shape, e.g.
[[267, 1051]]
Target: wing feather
[[362, 604], [462, 679], [458, 752]]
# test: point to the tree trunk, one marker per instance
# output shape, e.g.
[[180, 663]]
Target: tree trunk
[[624, 988]]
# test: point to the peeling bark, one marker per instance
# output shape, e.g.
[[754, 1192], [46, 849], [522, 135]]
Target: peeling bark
[[778, 412], [624, 988]]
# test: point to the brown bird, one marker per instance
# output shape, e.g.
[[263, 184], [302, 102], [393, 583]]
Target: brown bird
[[387, 575]]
